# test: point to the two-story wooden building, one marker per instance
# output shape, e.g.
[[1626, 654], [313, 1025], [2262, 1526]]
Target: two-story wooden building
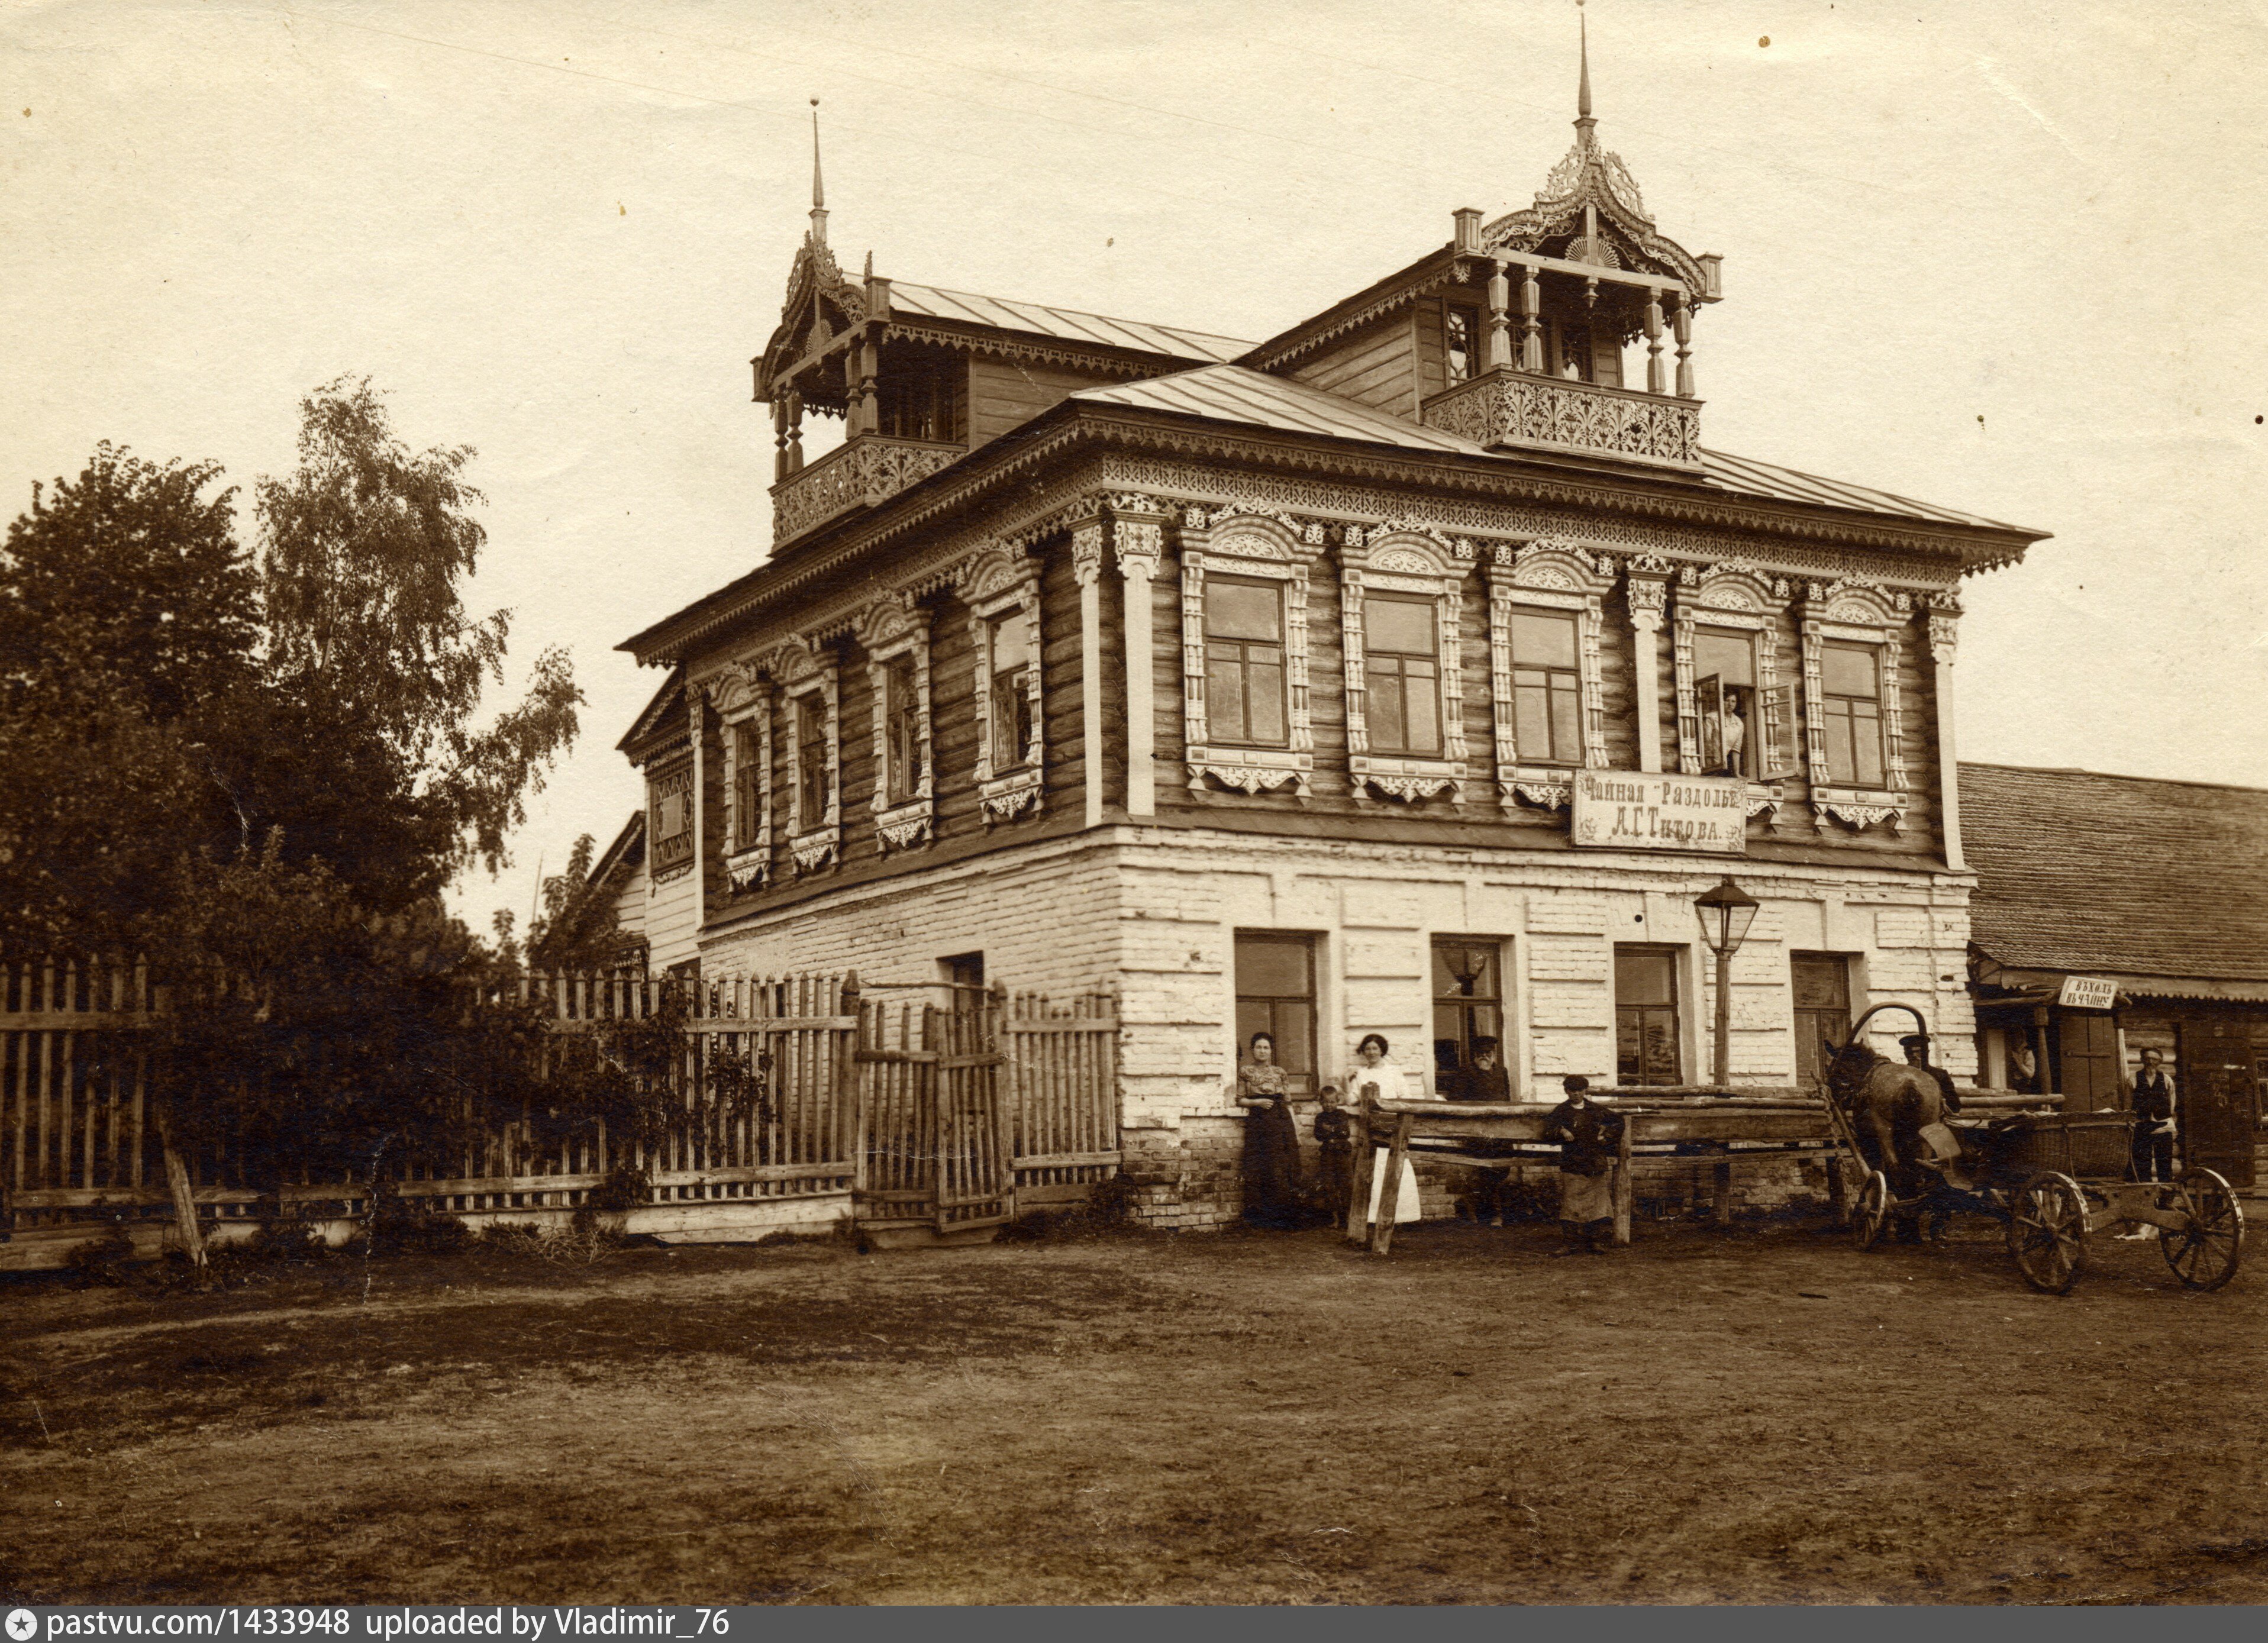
[[1410, 670]]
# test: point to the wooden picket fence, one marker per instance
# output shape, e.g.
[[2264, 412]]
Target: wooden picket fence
[[78, 1143]]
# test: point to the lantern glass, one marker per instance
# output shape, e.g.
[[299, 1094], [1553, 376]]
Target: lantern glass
[[1725, 912]]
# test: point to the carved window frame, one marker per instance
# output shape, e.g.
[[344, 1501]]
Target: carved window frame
[[1857, 613], [743, 702], [1268, 547], [993, 583], [1558, 578], [889, 629], [1741, 599], [673, 776], [799, 669], [1400, 560]]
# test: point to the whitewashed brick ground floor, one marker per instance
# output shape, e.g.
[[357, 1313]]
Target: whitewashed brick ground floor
[[1153, 914]]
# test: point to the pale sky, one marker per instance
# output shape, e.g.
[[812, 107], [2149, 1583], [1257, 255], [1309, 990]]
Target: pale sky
[[1993, 255]]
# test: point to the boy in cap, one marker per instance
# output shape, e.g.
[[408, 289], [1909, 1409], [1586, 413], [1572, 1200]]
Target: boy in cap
[[1587, 1133]]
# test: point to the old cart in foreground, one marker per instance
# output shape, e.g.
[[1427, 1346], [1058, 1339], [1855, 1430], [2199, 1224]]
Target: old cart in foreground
[[2053, 1180]]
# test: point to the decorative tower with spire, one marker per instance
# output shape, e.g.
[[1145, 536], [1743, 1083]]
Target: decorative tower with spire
[[1592, 275]]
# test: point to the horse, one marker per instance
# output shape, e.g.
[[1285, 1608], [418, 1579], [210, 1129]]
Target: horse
[[1888, 1104]]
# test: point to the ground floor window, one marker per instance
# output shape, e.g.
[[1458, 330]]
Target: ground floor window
[[1468, 1001], [1276, 995], [1822, 1011], [1646, 1031]]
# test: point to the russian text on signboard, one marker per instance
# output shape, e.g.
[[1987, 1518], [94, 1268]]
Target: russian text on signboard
[[1637, 810], [2088, 992]]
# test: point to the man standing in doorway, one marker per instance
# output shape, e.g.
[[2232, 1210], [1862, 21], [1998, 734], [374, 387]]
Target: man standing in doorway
[[1587, 1133], [2152, 1097]]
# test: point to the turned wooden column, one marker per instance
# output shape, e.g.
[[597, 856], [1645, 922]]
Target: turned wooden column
[[1656, 378], [1683, 314], [1531, 323], [794, 433], [1500, 320], [780, 469]]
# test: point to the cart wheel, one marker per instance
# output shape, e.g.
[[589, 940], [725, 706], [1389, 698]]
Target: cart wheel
[[2205, 1252], [1870, 1213], [2047, 1231]]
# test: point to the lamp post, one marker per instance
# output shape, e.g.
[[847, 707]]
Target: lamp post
[[1725, 912]]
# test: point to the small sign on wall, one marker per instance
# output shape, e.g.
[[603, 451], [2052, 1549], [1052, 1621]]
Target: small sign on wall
[[1641, 810], [2087, 992]]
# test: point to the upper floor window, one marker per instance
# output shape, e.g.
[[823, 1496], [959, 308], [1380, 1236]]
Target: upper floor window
[[1725, 697], [749, 753], [1547, 688], [811, 761], [1460, 332], [1575, 360], [1851, 681], [1245, 699], [901, 732], [1402, 672], [672, 820], [1011, 694]]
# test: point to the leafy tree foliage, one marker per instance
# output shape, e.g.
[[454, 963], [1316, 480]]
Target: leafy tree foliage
[[260, 770]]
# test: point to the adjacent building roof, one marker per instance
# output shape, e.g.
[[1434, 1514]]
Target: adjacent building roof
[[1237, 394], [2162, 885], [1067, 324]]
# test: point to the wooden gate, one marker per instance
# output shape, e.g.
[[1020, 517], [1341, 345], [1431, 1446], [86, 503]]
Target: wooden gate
[[935, 1155]]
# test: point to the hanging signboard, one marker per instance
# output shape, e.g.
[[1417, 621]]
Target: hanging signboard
[[2087, 992], [1642, 810]]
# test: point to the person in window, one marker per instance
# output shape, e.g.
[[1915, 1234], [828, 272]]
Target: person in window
[[1736, 734], [1375, 1077], [1271, 1140], [1485, 1081], [1587, 1133]]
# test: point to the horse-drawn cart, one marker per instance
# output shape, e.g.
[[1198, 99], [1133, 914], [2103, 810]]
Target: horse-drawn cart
[[2052, 1179]]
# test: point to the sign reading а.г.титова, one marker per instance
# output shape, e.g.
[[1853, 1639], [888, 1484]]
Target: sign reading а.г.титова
[[1633, 810]]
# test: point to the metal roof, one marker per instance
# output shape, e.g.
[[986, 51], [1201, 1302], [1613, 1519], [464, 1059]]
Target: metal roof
[[1234, 394], [1070, 325], [1752, 478], [1255, 399]]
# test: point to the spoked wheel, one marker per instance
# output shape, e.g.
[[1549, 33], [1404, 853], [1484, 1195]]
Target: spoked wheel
[[2047, 1231], [2205, 1252], [1871, 1213]]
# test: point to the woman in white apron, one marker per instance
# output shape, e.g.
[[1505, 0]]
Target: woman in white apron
[[1375, 1076]]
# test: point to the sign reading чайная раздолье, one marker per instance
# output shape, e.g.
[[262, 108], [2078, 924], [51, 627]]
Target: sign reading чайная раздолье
[[1639, 810]]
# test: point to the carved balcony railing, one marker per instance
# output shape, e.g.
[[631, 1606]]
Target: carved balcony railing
[[870, 469], [1515, 409]]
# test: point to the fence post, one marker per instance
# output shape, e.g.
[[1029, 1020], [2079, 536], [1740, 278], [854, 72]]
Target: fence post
[[849, 1109], [185, 1203]]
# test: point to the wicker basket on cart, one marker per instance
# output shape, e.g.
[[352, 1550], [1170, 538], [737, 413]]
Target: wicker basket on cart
[[2090, 1146]]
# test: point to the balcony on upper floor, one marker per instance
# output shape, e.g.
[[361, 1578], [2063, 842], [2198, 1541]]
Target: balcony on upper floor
[[1523, 411], [863, 473]]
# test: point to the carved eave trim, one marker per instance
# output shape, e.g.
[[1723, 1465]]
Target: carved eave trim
[[825, 557], [1133, 365]]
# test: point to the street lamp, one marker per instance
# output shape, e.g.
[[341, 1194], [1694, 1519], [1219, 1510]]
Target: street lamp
[[1725, 912]]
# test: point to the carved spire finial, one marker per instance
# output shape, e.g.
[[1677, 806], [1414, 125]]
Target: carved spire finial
[[817, 187], [1583, 121]]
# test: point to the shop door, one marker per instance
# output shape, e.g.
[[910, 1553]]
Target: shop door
[[2087, 1048], [2214, 1094]]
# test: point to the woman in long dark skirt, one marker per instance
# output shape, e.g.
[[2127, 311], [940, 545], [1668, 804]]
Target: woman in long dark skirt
[[1271, 1140]]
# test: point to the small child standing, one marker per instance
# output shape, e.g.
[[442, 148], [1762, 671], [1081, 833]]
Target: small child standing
[[1335, 1135]]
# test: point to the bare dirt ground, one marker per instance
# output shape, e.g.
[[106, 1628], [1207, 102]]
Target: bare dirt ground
[[1752, 1416]]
